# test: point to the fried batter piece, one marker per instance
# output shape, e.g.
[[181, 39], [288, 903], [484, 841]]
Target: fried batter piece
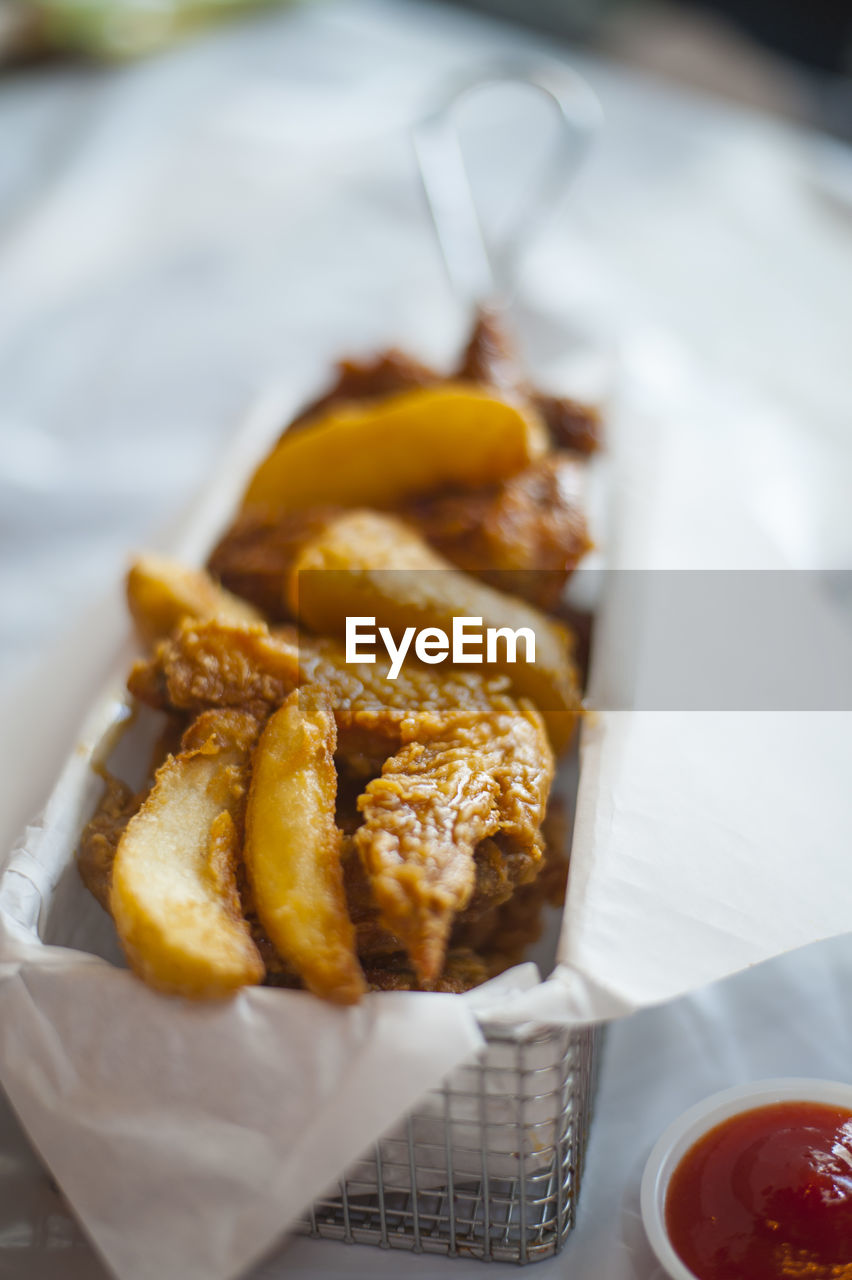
[[101, 835], [385, 374], [490, 359], [212, 664], [466, 762], [524, 536], [256, 554], [174, 896], [462, 970], [502, 935], [216, 664], [292, 847], [572, 424], [433, 804]]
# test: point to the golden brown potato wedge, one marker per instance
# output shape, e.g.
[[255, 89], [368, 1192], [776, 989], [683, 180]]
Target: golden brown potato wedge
[[174, 894], [160, 592], [365, 564], [380, 453], [292, 848]]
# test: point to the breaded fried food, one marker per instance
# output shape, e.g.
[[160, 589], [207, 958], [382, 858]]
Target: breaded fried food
[[524, 536], [161, 592], [99, 841], [491, 359], [462, 970], [466, 763], [292, 847], [502, 935], [254, 557], [211, 664], [215, 665], [173, 895], [385, 374], [381, 453], [364, 563], [433, 804]]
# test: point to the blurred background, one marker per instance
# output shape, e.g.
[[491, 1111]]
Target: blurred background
[[789, 56], [202, 198]]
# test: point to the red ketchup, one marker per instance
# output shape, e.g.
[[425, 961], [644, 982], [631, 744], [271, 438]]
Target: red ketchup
[[767, 1195]]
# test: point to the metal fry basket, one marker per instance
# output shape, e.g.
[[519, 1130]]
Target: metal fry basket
[[487, 1166]]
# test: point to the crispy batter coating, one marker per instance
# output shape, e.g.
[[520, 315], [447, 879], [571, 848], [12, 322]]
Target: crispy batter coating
[[385, 374], [524, 536], [216, 664], [101, 835], [572, 424], [431, 807], [491, 359], [254, 557], [502, 935], [466, 762], [213, 664], [462, 970]]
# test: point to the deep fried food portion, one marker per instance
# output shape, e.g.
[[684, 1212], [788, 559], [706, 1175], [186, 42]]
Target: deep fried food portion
[[433, 804], [466, 763], [292, 847], [212, 664], [490, 357], [367, 564], [380, 453], [174, 896], [160, 592], [572, 424], [385, 374], [254, 557], [502, 935], [101, 835], [215, 664], [462, 970], [524, 536], [499, 868]]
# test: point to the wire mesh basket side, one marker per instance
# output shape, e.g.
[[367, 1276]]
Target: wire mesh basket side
[[487, 1166]]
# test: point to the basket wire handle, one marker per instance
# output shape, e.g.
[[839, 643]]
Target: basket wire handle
[[480, 271]]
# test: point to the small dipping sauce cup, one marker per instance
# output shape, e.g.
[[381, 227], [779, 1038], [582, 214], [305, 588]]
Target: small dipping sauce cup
[[755, 1183]]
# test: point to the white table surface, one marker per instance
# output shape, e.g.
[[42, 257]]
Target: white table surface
[[162, 230]]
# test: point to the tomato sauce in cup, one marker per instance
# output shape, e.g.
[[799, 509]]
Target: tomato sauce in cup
[[766, 1195]]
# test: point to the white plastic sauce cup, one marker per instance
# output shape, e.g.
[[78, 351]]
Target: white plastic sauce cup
[[684, 1132]]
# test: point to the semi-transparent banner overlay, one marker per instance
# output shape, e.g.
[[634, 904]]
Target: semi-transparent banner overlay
[[661, 640]]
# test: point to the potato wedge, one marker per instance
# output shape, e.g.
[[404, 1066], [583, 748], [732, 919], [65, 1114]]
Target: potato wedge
[[380, 453], [365, 564], [160, 592], [292, 848], [174, 894]]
